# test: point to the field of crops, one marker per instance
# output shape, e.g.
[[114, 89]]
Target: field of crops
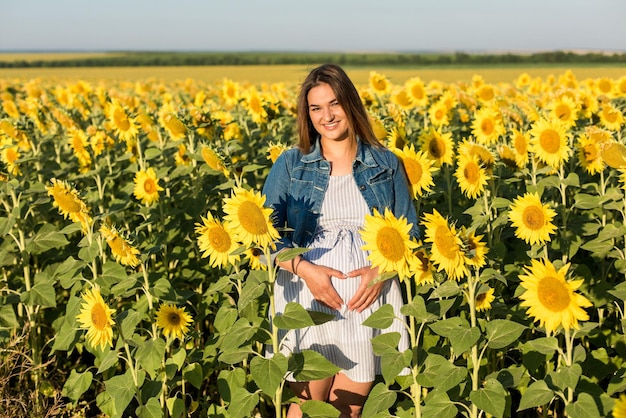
[[133, 230]]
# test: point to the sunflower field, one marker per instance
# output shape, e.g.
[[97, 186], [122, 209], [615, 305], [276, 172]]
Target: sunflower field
[[134, 240]]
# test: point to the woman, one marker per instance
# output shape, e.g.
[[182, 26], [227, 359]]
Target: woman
[[320, 192]]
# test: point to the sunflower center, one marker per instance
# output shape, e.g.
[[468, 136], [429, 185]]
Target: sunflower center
[[390, 243], [439, 114], [437, 148], [255, 105], [413, 170], [520, 144], [173, 319], [252, 219], [480, 298], [553, 294], [12, 155], [550, 141], [471, 172], [487, 126], [99, 316], [149, 187], [563, 112], [590, 152], [610, 115], [67, 202], [219, 238], [445, 242], [418, 92], [533, 218], [118, 246]]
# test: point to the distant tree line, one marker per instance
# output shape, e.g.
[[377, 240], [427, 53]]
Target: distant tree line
[[133, 59]]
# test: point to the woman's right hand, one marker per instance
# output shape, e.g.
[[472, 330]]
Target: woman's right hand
[[318, 280]]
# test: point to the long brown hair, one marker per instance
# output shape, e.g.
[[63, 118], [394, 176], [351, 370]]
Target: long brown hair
[[347, 96]]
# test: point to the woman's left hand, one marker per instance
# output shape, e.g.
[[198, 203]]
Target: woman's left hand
[[365, 294]]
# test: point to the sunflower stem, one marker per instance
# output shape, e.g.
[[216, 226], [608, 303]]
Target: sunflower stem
[[271, 272], [471, 300], [416, 388]]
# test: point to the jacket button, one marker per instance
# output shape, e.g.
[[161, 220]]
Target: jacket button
[[362, 187]]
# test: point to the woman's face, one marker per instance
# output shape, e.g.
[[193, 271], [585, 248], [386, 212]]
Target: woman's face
[[326, 114]]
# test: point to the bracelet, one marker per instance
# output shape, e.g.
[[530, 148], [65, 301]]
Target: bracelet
[[295, 268]]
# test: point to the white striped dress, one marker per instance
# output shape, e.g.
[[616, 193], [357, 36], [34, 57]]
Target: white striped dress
[[337, 244]]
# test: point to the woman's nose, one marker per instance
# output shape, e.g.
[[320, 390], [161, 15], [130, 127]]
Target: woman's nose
[[328, 114]]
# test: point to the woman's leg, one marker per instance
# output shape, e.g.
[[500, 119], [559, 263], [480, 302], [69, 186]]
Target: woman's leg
[[317, 390], [348, 396]]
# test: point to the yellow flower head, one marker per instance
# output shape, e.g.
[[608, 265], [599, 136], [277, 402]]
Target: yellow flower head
[[438, 146], [181, 157], [147, 186], [387, 238], [484, 299], [254, 259], [174, 321], [550, 298], [230, 92], [532, 219], [422, 268], [417, 92], [249, 220], [215, 241], [214, 160], [619, 407], [446, 247], [254, 103], [471, 176], [121, 249], [474, 249], [174, 126], [566, 110], [549, 141], [96, 317], [124, 126], [379, 83], [611, 117], [419, 169], [274, 150], [438, 114], [487, 126], [69, 203], [590, 154], [520, 145]]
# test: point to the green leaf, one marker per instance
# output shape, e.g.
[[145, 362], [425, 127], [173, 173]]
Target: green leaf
[[379, 400], [77, 384], [318, 409], [41, 294], [177, 358], [537, 394], [268, 373], [229, 380], [290, 254], [385, 342], [236, 355], [243, 403], [382, 318], [110, 359], [566, 377], [309, 365], [193, 374], [543, 345], [151, 409], [121, 389], [491, 398], [584, 407], [7, 316], [150, 355], [393, 362], [176, 407], [46, 238], [250, 294], [417, 308], [502, 332], [294, 317], [438, 405], [225, 317], [439, 373], [447, 289], [128, 321], [461, 336], [65, 337]]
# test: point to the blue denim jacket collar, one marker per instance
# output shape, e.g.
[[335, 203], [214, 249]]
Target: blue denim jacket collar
[[363, 155]]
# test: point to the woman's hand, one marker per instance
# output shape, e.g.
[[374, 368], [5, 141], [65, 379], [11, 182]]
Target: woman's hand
[[317, 279], [365, 294]]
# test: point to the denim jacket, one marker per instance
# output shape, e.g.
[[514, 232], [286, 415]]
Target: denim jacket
[[297, 182]]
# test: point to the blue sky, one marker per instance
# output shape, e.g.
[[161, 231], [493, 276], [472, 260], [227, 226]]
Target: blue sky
[[322, 25]]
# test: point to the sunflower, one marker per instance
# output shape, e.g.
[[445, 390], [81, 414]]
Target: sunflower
[[520, 142], [474, 249], [422, 267], [614, 154], [487, 126], [249, 220], [619, 407], [124, 126], [397, 139], [471, 176], [379, 83], [549, 141], [401, 98], [230, 92], [254, 259], [507, 156], [174, 321], [417, 91], [78, 142], [214, 159], [590, 155], [274, 150], [147, 186], [438, 146], [566, 110], [471, 149], [419, 169], [387, 238], [485, 93], [484, 299], [181, 157], [96, 317], [611, 117], [174, 126], [10, 155], [621, 86], [69, 203], [121, 249], [215, 241], [254, 103], [550, 298], [605, 87], [532, 219], [438, 114], [446, 250]]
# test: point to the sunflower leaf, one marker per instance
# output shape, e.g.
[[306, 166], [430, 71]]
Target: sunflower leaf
[[268, 373], [438, 405], [381, 318], [309, 365], [290, 254], [538, 393], [245, 403], [585, 406], [294, 317], [502, 332], [77, 384], [48, 237], [319, 409], [492, 398], [379, 400]]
